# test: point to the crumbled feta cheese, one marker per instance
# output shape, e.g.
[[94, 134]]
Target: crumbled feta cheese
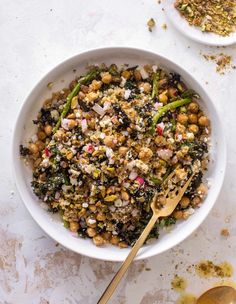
[[65, 123], [118, 203], [73, 181], [143, 73], [85, 205], [154, 68], [165, 153], [133, 175], [45, 162], [91, 221], [34, 138], [55, 114], [190, 135], [123, 81], [127, 94]]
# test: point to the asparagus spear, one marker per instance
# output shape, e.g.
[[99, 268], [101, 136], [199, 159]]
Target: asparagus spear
[[156, 78], [170, 106], [90, 76]]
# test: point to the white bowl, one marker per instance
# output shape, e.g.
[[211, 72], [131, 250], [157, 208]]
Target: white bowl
[[24, 129], [192, 32]]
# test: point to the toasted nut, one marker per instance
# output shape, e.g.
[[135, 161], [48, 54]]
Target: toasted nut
[[122, 244], [192, 118], [74, 102], [109, 141], [182, 118], [101, 217]]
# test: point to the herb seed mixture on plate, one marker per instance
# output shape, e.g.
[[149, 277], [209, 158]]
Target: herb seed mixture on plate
[[106, 143]]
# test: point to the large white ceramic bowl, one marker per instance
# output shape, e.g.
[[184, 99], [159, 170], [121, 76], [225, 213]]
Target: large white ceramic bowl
[[24, 128]]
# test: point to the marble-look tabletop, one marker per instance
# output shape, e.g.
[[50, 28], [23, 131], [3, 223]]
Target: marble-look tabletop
[[34, 37]]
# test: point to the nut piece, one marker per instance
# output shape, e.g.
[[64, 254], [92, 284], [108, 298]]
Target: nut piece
[[145, 154]]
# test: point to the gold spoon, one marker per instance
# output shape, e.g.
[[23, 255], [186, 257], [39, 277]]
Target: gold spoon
[[171, 199], [218, 295]]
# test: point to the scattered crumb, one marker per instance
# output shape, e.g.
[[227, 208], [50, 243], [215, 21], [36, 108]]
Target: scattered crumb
[[209, 269], [164, 26], [206, 82], [147, 269], [186, 299], [57, 244], [74, 70], [225, 232], [223, 61], [159, 1], [151, 24], [178, 283], [227, 219], [50, 85]]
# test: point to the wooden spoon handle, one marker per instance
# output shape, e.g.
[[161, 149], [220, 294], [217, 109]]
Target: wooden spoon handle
[[119, 275]]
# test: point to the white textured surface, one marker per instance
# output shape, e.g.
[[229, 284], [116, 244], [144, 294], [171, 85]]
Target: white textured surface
[[35, 36]]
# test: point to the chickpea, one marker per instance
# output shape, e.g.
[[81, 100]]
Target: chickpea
[[163, 97], [91, 232], [182, 118], [108, 141], [202, 190], [71, 124], [185, 201], [172, 92], [146, 87], [96, 85], [178, 215], [193, 128], [193, 107], [145, 154], [40, 145], [92, 96], [101, 217], [81, 95], [41, 135], [192, 118], [74, 226], [196, 201], [125, 195], [74, 102], [48, 130], [203, 121], [126, 74], [33, 148], [106, 235], [59, 134], [123, 150], [93, 208], [106, 78], [98, 240], [114, 240], [137, 75], [180, 128], [122, 244]]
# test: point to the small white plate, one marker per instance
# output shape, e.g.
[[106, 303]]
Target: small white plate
[[193, 32]]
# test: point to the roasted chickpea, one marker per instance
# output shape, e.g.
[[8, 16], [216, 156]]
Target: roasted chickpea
[[98, 240], [182, 118], [193, 107], [109, 141], [202, 190], [74, 226], [163, 97], [40, 145], [203, 121], [123, 150], [185, 201], [146, 87], [91, 232], [122, 244], [178, 214], [41, 135], [193, 128], [96, 85], [145, 154], [114, 240], [196, 201], [48, 130], [137, 75], [101, 217], [33, 148], [192, 118], [126, 74], [106, 78], [125, 195]]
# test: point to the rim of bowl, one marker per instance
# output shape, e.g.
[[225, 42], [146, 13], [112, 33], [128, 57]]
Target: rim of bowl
[[184, 234]]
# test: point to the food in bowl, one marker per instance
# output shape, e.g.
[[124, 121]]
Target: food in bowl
[[106, 144]]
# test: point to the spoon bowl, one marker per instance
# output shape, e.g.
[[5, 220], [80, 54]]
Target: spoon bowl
[[218, 295]]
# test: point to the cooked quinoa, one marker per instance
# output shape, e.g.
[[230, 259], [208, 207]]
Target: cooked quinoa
[[105, 144]]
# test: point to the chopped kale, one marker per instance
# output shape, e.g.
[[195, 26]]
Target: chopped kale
[[24, 151]]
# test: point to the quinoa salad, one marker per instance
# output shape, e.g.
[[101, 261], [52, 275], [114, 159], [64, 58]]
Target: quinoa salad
[[105, 144]]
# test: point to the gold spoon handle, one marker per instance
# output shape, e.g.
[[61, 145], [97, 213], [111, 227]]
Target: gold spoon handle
[[119, 275]]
